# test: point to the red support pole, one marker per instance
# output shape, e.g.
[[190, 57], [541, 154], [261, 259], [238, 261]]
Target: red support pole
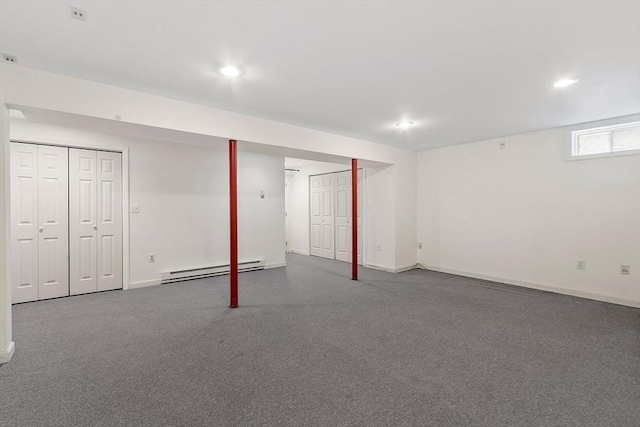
[[233, 217], [354, 219]]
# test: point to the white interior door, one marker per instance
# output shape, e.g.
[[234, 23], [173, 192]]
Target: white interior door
[[109, 215], [322, 221], [327, 216], [83, 225], [343, 216], [24, 222], [315, 210], [53, 219]]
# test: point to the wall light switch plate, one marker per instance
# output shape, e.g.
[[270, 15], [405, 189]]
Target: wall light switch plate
[[134, 208], [581, 264], [624, 269]]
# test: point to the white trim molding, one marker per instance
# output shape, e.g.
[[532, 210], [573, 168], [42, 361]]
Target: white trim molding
[[5, 356], [142, 284], [275, 265], [299, 252], [538, 286]]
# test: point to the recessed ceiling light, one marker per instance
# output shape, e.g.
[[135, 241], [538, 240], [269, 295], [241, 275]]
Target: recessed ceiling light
[[565, 82], [404, 124], [230, 71]]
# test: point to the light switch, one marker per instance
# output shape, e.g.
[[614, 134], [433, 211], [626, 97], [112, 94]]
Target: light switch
[[262, 194], [134, 208]]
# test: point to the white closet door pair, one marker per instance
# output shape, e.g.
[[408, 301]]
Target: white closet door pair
[[39, 222], [95, 217], [330, 216]]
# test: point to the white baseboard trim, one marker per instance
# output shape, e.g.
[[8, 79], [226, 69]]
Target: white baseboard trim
[[275, 265], [391, 269], [6, 355], [144, 284], [299, 252], [381, 268], [548, 288], [406, 268]]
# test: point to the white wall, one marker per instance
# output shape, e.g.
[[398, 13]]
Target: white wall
[[182, 191], [523, 215]]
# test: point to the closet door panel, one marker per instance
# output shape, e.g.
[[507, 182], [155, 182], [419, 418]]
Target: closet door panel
[[53, 205], [24, 222], [109, 211], [343, 215], [83, 221]]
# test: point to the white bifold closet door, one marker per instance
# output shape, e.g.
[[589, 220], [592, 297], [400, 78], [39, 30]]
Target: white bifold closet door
[[330, 216], [322, 216], [95, 218], [343, 216], [39, 222]]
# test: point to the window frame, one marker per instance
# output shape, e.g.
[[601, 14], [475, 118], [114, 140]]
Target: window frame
[[572, 132]]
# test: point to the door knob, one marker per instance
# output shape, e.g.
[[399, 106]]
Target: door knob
[[95, 227], [41, 229]]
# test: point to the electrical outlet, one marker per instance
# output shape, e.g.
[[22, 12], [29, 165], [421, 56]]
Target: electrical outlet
[[581, 264], [152, 258], [78, 14], [624, 269], [419, 245], [378, 247]]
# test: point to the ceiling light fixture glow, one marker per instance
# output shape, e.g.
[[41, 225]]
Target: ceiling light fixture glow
[[230, 71], [565, 82], [404, 124]]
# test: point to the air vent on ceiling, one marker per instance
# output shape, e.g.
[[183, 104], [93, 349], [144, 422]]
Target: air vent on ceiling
[[9, 58], [78, 14]]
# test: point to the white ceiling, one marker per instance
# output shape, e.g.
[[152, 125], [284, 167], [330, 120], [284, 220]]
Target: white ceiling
[[462, 71]]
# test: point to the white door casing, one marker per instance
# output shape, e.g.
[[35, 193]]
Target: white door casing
[[53, 206], [83, 221], [109, 220], [24, 222]]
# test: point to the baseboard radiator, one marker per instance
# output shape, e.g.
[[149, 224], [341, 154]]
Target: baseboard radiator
[[216, 270]]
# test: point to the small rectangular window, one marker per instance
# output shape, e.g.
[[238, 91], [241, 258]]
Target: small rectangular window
[[603, 139]]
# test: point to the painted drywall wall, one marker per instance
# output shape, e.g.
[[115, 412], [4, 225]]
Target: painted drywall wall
[[6, 343], [524, 215], [182, 192]]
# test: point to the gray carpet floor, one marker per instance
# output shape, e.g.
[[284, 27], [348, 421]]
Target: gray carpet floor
[[310, 347]]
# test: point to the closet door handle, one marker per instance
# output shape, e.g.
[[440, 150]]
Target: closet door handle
[[41, 229], [95, 227]]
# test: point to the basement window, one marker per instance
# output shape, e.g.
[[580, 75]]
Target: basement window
[[607, 138]]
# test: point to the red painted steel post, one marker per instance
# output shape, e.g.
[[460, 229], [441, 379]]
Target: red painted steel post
[[354, 219], [233, 219]]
